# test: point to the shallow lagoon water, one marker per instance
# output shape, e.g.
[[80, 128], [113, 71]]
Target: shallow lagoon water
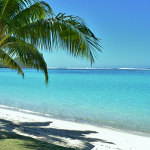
[[115, 98]]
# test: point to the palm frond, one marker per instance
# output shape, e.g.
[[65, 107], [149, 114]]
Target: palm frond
[[10, 8], [27, 53], [7, 60], [63, 31], [37, 11]]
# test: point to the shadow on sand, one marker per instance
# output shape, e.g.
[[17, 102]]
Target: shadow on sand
[[52, 135]]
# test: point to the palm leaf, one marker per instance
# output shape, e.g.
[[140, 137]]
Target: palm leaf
[[27, 53], [35, 12], [65, 32], [8, 61]]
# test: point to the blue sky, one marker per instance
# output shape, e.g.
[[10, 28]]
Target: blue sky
[[122, 25]]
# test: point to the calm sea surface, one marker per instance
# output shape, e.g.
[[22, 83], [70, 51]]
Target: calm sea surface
[[116, 98]]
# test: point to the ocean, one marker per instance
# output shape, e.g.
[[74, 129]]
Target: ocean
[[107, 97]]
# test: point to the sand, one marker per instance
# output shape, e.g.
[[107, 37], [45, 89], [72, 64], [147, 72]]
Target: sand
[[71, 134]]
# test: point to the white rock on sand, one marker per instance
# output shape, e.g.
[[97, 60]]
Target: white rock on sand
[[71, 134]]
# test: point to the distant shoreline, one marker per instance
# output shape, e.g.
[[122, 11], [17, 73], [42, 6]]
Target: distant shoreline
[[87, 68], [98, 68]]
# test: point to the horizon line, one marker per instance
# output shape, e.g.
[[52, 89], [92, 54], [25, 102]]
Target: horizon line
[[74, 68]]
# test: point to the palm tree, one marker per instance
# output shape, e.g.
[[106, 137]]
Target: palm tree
[[27, 26]]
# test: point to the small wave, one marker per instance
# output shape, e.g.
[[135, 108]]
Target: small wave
[[25, 111]]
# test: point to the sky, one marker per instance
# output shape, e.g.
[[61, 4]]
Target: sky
[[122, 25]]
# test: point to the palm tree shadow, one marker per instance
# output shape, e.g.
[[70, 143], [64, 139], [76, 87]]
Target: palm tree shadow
[[29, 143], [52, 135]]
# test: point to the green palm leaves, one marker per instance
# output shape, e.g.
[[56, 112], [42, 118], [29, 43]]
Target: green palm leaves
[[26, 25]]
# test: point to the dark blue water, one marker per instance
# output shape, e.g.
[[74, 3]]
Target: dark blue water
[[116, 98]]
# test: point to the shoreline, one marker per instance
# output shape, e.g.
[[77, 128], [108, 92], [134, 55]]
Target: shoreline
[[77, 135], [144, 134]]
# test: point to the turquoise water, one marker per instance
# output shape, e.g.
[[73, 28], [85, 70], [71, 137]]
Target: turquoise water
[[116, 98]]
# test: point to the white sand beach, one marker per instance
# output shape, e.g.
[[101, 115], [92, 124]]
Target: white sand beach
[[71, 134]]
